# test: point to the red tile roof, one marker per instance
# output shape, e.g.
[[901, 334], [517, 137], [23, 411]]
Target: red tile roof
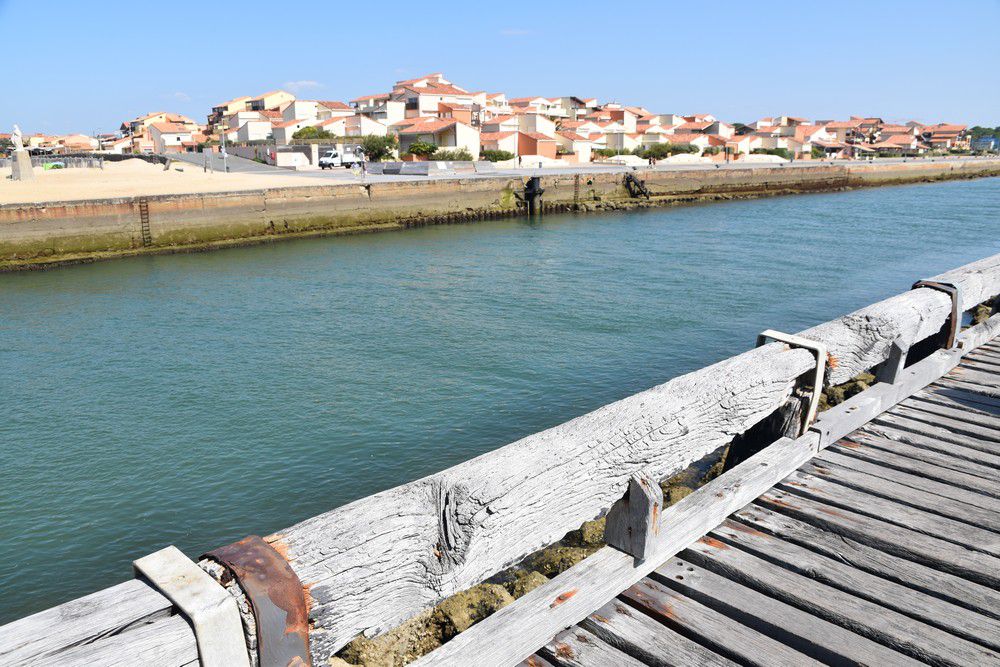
[[171, 128], [365, 98], [428, 126], [495, 136], [340, 106]]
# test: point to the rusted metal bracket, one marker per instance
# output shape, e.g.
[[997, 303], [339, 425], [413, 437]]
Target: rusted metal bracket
[[819, 350], [955, 321], [277, 597], [211, 611]]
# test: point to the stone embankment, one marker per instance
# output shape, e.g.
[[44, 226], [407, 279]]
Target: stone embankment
[[45, 234]]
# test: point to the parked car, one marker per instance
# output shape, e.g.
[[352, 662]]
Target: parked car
[[348, 158]]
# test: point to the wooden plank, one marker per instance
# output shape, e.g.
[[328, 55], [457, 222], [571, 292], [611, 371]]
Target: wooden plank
[[933, 404], [864, 617], [571, 596], [941, 438], [981, 391], [534, 661], [850, 580], [988, 380], [818, 638], [647, 640], [168, 642], [876, 436], [971, 426], [941, 554], [966, 397], [954, 589], [711, 628], [905, 511], [986, 365], [576, 647], [860, 448], [43, 636], [830, 459]]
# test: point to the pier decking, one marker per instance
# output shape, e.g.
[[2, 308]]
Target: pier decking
[[882, 549]]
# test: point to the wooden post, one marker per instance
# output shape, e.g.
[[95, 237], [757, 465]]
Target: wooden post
[[890, 369], [634, 521]]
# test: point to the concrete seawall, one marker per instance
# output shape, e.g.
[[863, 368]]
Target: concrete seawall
[[52, 233]]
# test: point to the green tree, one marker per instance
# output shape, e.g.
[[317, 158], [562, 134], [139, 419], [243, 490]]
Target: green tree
[[496, 156], [818, 153], [422, 148], [378, 148], [312, 133]]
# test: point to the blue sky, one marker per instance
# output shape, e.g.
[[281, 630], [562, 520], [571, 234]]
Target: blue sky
[[86, 66]]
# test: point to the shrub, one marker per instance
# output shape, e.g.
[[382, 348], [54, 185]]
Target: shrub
[[378, 148], [608, 152], [780, 152], [456, 155], [711, 150], [312, 133], [422, 148], [496, 156], [818, 153], [660, 151]]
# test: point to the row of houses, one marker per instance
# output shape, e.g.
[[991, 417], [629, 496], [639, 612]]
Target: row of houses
[[434, 110]]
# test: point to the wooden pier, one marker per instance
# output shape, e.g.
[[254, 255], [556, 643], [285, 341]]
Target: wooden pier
[[882, 549], [870, 534]]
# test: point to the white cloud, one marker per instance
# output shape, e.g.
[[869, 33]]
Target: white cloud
[[515, 32], [296, 86]]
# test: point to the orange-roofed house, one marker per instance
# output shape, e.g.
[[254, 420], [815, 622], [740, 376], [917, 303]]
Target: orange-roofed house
[[220, 111], [845, 131], [502, 124], [444, 133], [272, 100], [945, 136], [353, 126], [283, 131], [499, 141], [171, 138], [535, 143], [421, 96], [574, 147]]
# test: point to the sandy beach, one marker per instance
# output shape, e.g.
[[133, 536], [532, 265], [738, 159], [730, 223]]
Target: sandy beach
[[131, 178]]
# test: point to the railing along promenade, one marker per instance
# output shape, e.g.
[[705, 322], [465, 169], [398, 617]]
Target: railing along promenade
[[299, 595]]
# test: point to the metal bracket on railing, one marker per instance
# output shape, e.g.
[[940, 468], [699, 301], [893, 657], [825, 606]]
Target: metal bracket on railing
[[211, 611], [277, 597], [955, 321], [819, 350]]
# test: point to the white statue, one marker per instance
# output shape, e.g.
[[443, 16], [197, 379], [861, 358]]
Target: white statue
[[15, 138]]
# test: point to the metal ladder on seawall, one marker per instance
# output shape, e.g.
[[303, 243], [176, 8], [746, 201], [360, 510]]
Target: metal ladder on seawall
[[147, 237]]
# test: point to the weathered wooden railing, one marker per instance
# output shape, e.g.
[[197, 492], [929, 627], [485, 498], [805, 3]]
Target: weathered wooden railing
[[370, 565]]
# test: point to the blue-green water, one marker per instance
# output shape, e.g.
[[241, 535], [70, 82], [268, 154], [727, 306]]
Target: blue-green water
[[195, 399]]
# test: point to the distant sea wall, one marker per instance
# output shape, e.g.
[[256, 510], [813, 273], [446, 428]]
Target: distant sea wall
[[45, 234]]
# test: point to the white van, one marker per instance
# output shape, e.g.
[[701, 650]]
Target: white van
[[348, 158]]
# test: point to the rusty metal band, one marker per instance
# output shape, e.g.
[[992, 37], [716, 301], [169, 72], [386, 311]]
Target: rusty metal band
[[277, 597], [955, 321]]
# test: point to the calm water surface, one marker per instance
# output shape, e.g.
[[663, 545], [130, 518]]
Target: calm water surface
[[194, 399]]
